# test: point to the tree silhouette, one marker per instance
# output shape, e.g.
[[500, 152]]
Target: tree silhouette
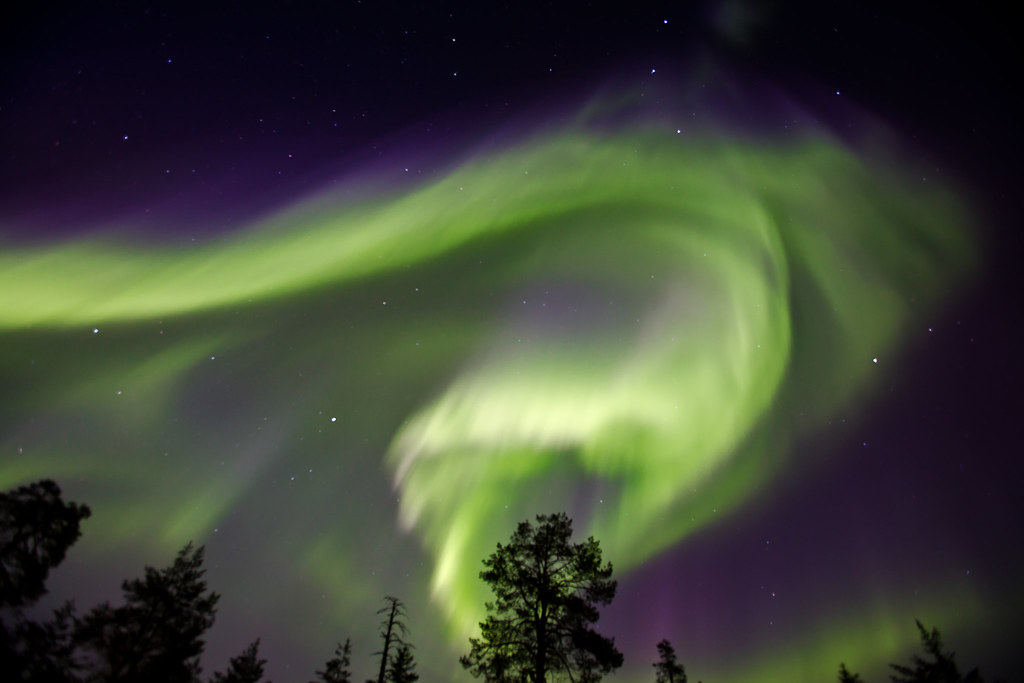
[[336, 670], [36, 529], [156, 635], [546, 595], [941, 669], [667, 668], [245, 668], [392, 631], [42, 651], [403, 667], [846, 677]]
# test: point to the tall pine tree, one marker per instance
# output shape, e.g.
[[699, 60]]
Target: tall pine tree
[[157, 634], [547, 591], [392, 631]]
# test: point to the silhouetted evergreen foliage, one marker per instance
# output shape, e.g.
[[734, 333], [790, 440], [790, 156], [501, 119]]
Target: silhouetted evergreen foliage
[[546, 595], [36, 530], [156, 636], [336, 670], [245, 668], [392, 632], [941, 668], [547, 592], [42, 651], [846, 677], [403, 667], [667, 669]]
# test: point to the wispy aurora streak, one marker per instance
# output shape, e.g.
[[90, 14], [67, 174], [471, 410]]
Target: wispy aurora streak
[[620, 324]]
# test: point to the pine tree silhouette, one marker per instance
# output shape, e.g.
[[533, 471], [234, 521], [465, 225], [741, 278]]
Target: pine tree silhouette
[[392, 631], [846, 677], [667, 668], [402, 668], [941, 668], [245, 668], [36, 529], [336, 670], [547, 590], [157, 635]]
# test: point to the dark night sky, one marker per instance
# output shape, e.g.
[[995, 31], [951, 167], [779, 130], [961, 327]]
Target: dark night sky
[[138, 136]]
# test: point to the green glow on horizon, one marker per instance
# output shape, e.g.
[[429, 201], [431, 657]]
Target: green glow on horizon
[[867, 640], [646, 394]]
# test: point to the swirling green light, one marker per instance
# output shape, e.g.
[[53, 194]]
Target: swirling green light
[[653, 300]]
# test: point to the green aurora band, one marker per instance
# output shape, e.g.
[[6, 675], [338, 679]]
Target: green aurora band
[[621, 324]]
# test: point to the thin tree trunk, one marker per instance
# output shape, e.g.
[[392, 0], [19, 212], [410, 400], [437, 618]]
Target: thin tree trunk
[[387, 642]]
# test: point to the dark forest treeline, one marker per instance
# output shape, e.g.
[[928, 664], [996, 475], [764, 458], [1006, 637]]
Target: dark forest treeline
[[547, 593], [155, 636]]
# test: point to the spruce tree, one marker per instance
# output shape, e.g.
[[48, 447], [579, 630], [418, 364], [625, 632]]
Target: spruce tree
[[668, 669], [336, 670], [245, 668], [846, 677], [941, 668], [403, 667]]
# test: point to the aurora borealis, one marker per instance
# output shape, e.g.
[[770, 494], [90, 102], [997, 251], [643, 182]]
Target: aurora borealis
[[720, 349]]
